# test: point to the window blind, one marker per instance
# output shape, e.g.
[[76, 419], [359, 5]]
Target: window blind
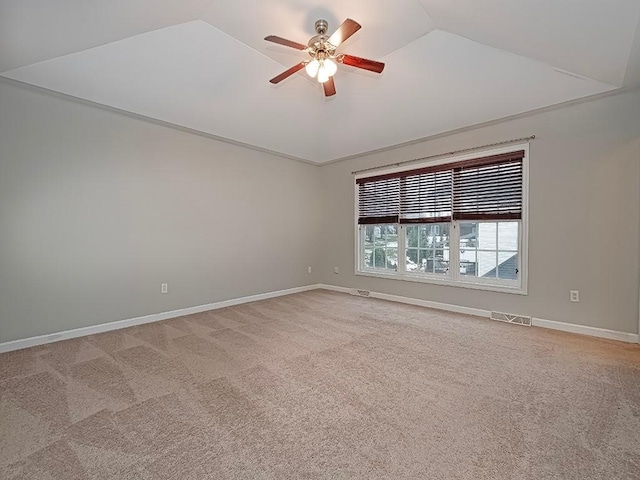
[[378, 200], [486, 188], [426, 197], [489, 189]]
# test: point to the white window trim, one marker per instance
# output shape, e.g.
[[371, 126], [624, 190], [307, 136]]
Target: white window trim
[[521, 288]]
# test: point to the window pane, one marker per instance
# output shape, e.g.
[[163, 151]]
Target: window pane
[[412, 236], [468, 245], [445, 259], [368, 258], [392, 241], [441, 261], [412, 259], [487, 264], [379, 258], [428, 235], [379, 233], [441, 240], [433, 231], [507, 265], [487, 236], [423, 237], [484, 262], [380, 246], [468, 235], [430, 265], [392, 258], [468, 262], [425, 266], [427, 248], [368, 235], [508, 236]]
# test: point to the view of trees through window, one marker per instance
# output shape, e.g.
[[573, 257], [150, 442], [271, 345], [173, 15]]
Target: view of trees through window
[[486, 249], [381, 246], [428, 248]]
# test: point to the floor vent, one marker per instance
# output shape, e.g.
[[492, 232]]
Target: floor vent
[[360, 293], [511, 318]]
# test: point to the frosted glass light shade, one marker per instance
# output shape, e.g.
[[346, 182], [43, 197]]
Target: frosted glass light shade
[[322, 75], [330, 67], [312, 68]]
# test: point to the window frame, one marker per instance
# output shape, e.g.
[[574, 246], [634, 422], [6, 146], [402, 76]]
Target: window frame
[[453, 278]]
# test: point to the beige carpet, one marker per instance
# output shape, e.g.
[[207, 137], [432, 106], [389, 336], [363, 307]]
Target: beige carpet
[[322, 385]]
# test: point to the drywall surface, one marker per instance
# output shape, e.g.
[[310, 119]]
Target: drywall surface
[[584, 199], [97, 209]]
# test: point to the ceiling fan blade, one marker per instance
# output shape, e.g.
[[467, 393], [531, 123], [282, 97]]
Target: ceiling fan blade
[[344, 31], [285, 42], [363, 63], [329, 87], [288, 73]]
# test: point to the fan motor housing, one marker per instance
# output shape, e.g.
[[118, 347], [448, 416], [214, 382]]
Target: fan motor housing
[[320, 42], [321, 27]]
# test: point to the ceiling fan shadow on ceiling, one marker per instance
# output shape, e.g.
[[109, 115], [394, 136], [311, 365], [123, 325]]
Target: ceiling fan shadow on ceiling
[[324, 61]]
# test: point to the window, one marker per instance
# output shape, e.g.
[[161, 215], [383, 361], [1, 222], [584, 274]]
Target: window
[[458, 223], [427, 248], [489, 250], [381, 247]]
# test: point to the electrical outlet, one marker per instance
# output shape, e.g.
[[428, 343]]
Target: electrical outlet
[[309, 269], [164, 288], [574, 296], [336, 270]]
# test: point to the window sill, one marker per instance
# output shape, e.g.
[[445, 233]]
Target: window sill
[[516, 290]]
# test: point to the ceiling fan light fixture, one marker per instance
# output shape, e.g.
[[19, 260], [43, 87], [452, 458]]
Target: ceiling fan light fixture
[[330, 67], [322, 75], [324, 59], [312, 68]]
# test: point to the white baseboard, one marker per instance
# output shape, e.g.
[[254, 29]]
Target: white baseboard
[[536, 322], [106, 327], [415, 301], [585, 330]]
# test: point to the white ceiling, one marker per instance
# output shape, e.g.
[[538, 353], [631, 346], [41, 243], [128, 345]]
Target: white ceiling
[[203, 64]]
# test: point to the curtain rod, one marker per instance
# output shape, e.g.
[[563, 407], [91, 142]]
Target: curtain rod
[[480, 147]]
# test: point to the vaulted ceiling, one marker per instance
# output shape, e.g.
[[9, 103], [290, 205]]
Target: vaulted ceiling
[[203, 64]]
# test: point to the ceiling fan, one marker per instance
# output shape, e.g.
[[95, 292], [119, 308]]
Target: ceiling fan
[[324, 59]]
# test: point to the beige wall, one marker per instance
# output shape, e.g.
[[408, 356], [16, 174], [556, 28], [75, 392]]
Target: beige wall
[[97, 209], [584, 211]]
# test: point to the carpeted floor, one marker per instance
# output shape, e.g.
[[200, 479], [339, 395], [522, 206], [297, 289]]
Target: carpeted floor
[[322, 385]]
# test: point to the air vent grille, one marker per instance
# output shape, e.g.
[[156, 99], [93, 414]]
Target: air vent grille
[[360, 293], [511, 318]]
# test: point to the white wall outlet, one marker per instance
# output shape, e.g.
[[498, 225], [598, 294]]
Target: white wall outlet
[[574, 296], [164, 288], [336, 270], [309, 269]]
